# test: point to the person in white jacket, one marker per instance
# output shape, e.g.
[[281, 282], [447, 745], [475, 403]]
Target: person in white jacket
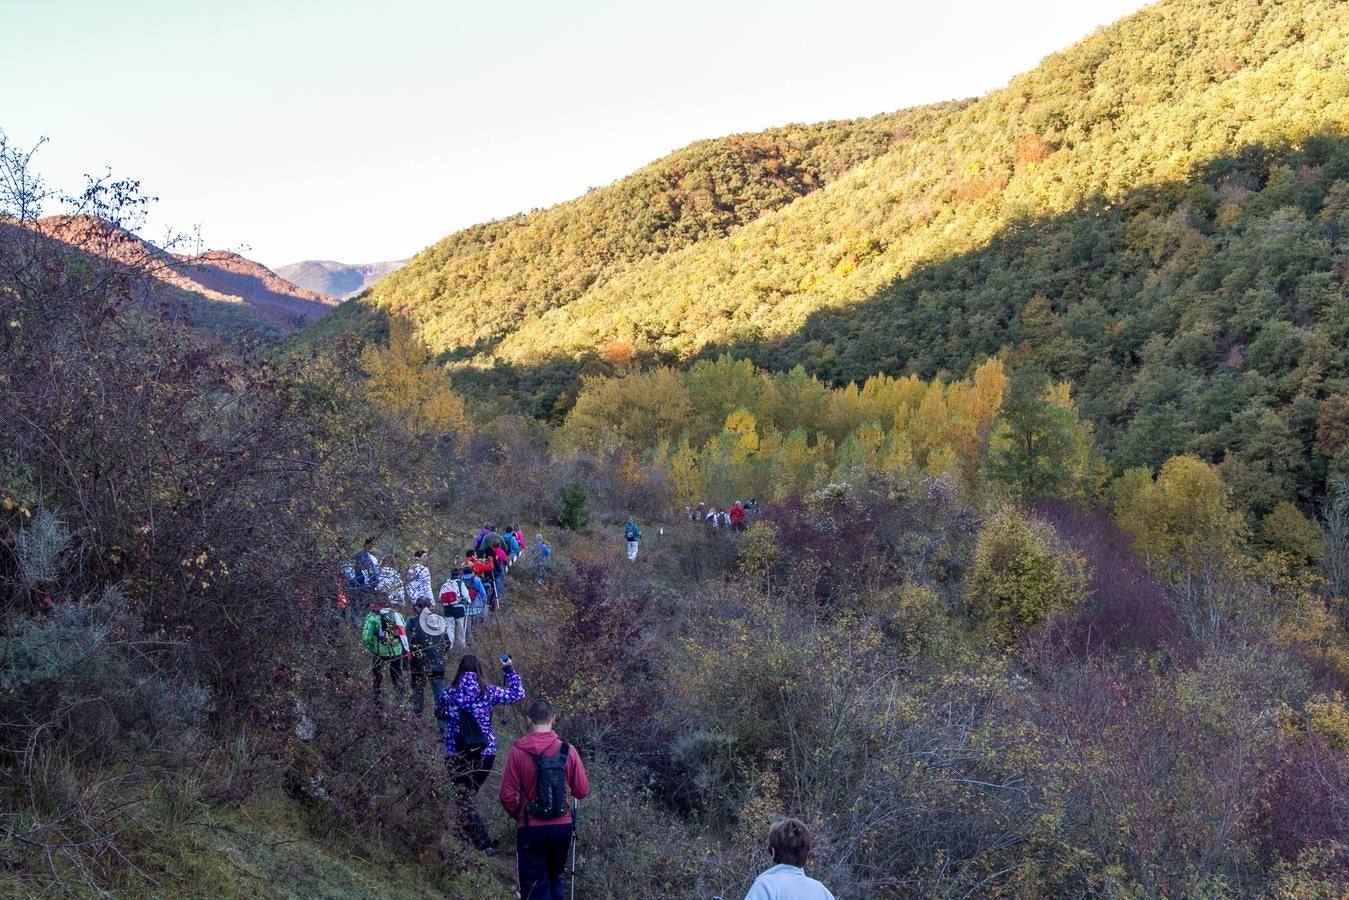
[[789, 845], [391, 584], [419, 578]]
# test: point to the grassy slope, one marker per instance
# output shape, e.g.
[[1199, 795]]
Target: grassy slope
[[264, 848]]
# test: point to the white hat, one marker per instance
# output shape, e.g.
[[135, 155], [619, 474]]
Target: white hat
[[431, 623]]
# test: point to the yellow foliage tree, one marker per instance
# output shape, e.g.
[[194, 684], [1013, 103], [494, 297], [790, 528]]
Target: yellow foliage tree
[[638, 410], [684, 473], [404, 382], [1184, 514]]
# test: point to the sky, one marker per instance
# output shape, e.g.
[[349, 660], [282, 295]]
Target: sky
[[364, 131]]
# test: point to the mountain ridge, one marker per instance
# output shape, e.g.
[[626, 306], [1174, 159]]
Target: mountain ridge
[[338, 279], [215, 277]]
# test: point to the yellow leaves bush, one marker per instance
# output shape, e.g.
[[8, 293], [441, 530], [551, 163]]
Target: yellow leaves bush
[[1021, 576], [1184, 514], [1328, 717]]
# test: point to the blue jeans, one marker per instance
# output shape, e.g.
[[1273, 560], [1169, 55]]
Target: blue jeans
[[541, 855], [419, 679]]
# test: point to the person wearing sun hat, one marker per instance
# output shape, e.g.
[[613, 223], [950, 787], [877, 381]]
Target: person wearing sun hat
[[427, 643]]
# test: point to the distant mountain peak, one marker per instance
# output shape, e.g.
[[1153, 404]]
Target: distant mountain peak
[[338, 279]]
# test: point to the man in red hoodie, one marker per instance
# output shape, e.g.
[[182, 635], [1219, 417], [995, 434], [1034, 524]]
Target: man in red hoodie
[[544, 822]]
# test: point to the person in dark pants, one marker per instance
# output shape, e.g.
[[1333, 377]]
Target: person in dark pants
[[428, 643], [465, 709], [385, 639], [542, 837]]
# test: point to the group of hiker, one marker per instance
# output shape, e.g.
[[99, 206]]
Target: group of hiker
[[436, 621], [541, 771], [739, 516]]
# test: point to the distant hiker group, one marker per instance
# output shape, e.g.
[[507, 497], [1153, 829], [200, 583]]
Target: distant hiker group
[[437, 620], [741, 515]]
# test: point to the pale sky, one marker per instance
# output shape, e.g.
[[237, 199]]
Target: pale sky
[[325, 129]]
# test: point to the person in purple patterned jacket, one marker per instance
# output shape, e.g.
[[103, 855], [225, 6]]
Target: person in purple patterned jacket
[[465, 708]]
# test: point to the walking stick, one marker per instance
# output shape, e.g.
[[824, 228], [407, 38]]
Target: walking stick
[[575, 820]]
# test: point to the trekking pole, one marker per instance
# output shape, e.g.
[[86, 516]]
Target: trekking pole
[[575, 820]]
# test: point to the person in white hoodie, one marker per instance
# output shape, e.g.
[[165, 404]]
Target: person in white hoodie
[[789, 845], [390, 584], [419, 578]]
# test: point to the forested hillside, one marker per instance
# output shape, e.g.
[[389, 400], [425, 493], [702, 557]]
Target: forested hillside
[[1155, 214], [479, 285]]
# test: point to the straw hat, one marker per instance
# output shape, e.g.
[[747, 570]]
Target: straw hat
[[431, 623]]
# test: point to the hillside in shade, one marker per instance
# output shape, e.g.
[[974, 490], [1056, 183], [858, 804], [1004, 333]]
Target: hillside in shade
[[336, 279]]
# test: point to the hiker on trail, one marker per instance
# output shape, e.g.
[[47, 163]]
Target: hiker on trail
[[385, 639], [470, 740], [482, 536], [454, 607], [512, 545], [541, 554], [483, 568], [540, 771], [427, 643], [633, 535], [725, 518], [713, 517], [390, 583], [477, 596], [419, 577], [738, 516], [499, 566], [366, 561], [362, 576], [789, 847]]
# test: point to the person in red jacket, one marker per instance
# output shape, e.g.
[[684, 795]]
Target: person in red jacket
[[541, 841]]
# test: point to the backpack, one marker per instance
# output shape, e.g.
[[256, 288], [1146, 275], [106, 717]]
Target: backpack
[[631, 532], [358, 576], [550, 796], [471, 736]]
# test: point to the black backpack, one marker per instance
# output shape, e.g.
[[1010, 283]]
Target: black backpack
[[471, 735], [550, 796]]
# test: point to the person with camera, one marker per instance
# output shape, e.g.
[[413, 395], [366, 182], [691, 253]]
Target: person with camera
[[540, 771], [465, 709]]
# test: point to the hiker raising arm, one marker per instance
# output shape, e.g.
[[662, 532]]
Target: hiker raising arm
[[465, 708]]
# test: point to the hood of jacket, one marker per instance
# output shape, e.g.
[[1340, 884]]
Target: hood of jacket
[[467, 690], [536, 742]]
